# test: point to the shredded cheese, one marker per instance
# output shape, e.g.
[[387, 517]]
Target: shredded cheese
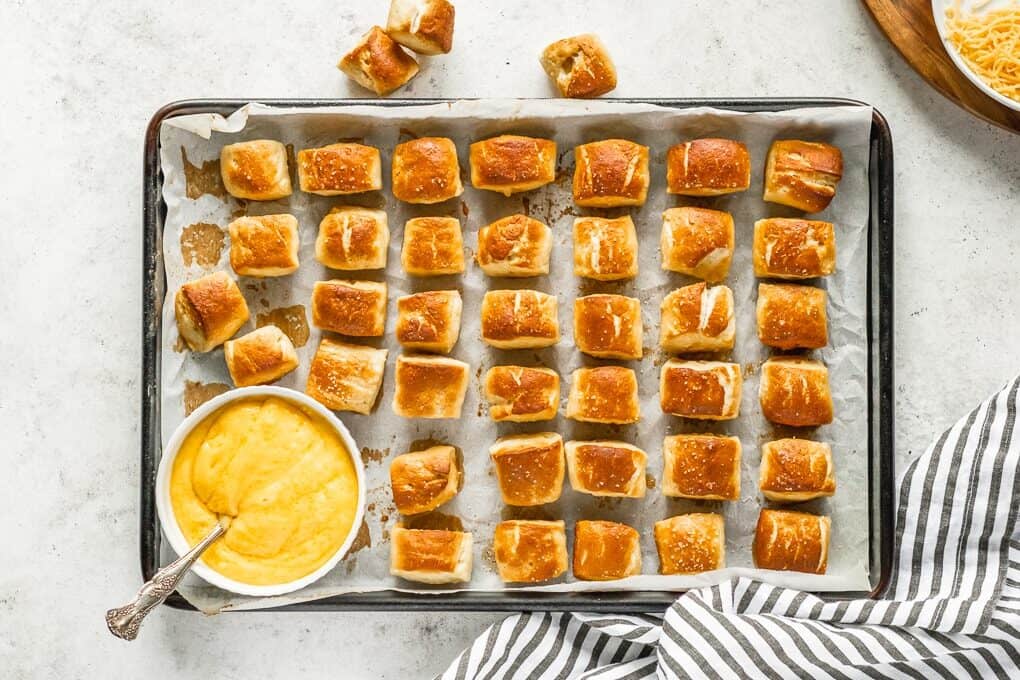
[[989, 43]]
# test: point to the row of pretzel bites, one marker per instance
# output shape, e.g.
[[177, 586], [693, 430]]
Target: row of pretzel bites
[[793, 391], [695, 318]]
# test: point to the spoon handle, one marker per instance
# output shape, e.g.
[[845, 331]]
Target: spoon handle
[[124, 621]]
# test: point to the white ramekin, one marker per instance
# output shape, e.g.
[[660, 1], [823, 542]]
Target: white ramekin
[[165, 508]]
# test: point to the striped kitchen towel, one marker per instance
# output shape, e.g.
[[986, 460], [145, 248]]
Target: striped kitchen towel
[[952, 608]]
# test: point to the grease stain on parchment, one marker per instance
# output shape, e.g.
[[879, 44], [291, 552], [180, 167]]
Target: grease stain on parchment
[[369, 455], [202, 244], [197, 393], [291, 320], [292, 164], [489, 558], [535, 512], [424, 443], [362, 541], [436, 521], [202, 179]]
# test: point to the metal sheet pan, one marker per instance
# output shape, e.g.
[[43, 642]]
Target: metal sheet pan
[[880, 373]]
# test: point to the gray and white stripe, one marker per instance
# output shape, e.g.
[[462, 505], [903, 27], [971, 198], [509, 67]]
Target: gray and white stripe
[[952, 608]]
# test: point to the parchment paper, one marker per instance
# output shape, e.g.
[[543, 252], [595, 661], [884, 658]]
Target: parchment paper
[[384, 435]]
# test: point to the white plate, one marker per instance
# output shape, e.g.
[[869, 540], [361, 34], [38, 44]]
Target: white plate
[[938, 8], [165, 508]]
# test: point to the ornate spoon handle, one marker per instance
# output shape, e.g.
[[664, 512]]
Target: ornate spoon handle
[[125, 621]]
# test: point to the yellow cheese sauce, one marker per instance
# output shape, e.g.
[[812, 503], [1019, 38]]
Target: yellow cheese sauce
[[283, 479]]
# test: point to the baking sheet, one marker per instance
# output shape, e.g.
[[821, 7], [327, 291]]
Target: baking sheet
[[383, 435]]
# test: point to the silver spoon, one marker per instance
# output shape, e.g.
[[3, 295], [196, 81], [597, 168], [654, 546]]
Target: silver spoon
[[125, 621]]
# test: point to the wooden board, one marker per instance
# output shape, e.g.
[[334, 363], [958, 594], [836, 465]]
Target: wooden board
[[910, 27]]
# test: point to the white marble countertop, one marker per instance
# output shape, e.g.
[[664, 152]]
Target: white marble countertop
[[80, 81]]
